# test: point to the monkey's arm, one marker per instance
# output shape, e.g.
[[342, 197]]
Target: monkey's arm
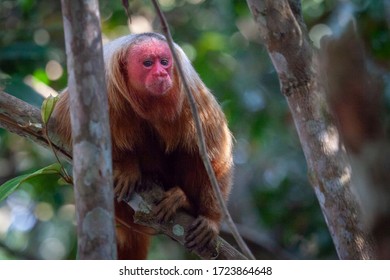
[[219, 147], [205, 228]]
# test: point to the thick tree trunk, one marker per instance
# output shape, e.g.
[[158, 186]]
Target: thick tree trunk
[[355, 94], [284, 33], [92, 163]]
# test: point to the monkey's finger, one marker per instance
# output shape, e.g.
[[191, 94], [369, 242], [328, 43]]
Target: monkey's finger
[[160, 203], [161, 215], [159, 206], [200, 242], [197, 226], [198, 231], [125, 190], [203, 246], [117, 191], [117, 187], [161, 212], [166, 215], [197, 236]]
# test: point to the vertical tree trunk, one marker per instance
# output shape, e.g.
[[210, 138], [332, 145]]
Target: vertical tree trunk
[[92, 163], [285, 36], [355, 95]]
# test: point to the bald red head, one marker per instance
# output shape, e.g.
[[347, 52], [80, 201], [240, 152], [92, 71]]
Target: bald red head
[[149, 67]]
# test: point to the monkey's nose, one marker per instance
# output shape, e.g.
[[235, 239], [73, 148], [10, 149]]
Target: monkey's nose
[[161, 74]]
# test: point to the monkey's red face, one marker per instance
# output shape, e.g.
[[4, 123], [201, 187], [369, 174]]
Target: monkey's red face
[[149, 67]]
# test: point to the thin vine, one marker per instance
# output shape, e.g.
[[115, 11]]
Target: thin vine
[[46, 111]]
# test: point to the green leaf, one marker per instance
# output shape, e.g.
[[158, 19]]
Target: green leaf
[[48, 107], [10, 186], [62, 182]]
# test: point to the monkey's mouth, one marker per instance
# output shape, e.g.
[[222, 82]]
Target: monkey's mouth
[[160, 87]]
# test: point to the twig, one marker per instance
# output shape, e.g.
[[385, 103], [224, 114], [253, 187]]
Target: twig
[[64, 174], [126, 6], [201, 138]]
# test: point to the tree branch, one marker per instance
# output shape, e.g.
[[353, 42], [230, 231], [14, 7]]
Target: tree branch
[[285, 36], [24, 119], [143, 202]]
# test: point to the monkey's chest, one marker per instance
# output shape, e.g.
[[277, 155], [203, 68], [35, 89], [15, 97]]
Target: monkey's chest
[[174, 168], [152, 159], [170, 164]]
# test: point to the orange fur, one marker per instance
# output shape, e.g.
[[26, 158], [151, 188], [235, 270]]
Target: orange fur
[[155, 139]]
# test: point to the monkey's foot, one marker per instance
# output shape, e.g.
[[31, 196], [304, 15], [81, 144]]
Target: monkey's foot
[[166, 208], [201, 234]]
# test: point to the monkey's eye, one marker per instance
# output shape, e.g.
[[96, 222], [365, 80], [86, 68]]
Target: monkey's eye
[[164, 62], [147, 63]]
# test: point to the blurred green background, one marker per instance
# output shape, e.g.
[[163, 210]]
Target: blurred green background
[[272, 201]]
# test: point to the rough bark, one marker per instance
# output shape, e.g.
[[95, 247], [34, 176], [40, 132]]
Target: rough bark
[[355, 95], [285, 36], [25, 120], [92, 163]]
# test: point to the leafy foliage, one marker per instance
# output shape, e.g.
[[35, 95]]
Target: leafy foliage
[[10, 186]]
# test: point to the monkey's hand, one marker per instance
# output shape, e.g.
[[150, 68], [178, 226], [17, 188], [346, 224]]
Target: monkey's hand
[[202, 232], [125, 183], [172, 200]]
